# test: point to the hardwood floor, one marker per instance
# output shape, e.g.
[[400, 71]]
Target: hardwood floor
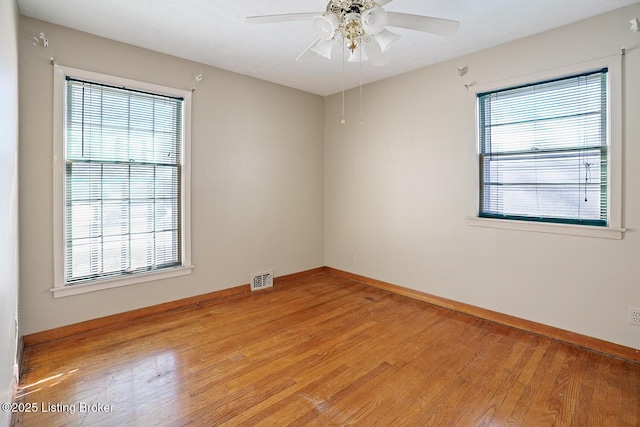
[[322, 351]]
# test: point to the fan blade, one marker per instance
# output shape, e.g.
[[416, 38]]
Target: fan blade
[[268, 19], [426, 24], [308, 51], [358, 55]]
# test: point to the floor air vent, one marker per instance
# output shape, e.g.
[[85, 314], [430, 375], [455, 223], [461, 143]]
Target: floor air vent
[[261, 280]]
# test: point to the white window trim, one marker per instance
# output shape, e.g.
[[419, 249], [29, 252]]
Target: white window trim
[[614, 230], [60, 288]]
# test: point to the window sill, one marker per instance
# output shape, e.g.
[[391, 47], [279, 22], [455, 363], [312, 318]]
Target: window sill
[[614, 233], [98, 285]]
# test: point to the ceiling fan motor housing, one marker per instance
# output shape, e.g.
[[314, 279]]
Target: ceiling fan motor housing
[[343, 7]]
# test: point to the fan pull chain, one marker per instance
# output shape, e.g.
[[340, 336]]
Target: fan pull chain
[[343, 120], [361, 123]]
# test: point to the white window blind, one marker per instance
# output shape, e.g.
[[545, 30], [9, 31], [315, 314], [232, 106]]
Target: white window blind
[[122, 181], [543, 151]]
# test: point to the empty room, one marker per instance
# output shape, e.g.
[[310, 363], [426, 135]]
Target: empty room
[[330, 212]]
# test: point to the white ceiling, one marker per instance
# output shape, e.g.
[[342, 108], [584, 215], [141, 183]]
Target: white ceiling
[[213, 32]]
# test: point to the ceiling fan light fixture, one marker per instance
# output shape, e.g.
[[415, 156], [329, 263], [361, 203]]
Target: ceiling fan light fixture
[[374, 20], [359, 54], [327, 25], [385, 39], [323, 47]]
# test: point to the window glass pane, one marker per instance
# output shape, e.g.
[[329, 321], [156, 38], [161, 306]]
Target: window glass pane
[[166, 251], [142, 181], [115, 181], [115, 218], [85, 217], [166, 182], [166, 215], [142, 150], [141, 250], [115, 254], [84, 182], [142, 216], [87, 257]]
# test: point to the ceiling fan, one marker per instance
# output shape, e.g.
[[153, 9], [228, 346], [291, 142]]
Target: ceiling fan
[[355, 23]]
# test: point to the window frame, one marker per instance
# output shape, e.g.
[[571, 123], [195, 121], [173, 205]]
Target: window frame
[[61, 287], [614, 229]]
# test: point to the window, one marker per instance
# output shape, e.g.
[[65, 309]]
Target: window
[[123, 184], [545, 153]]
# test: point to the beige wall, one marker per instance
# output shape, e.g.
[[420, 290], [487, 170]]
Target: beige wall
[[397, 192], [257, 176], [8, 199]]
